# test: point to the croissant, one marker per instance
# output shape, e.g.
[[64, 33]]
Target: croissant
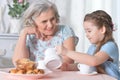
[[26, 66]]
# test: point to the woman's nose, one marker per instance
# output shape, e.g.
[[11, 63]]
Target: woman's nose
[[49, 24]]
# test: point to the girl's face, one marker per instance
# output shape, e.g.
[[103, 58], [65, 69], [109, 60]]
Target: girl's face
[[47, 23], [94, 34]]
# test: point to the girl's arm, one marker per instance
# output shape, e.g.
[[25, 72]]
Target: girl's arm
[[99, 58]]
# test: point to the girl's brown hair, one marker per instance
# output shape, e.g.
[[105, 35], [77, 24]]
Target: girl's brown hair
[[100, 18]]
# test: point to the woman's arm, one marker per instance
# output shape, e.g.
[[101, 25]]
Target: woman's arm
[[70, 45], [21, 51], [69, 67]]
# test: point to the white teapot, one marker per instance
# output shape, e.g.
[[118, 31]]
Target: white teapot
[[51, 61]]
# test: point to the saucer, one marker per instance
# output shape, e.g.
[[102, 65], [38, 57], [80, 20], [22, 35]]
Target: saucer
[[92, 73]]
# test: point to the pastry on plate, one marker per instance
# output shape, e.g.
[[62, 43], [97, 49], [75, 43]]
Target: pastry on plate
[[26, 66]]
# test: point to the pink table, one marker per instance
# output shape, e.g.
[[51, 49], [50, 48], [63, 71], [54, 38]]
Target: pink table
[[73, 75], [61, 75]]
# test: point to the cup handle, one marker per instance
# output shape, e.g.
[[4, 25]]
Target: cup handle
[[78, 66]]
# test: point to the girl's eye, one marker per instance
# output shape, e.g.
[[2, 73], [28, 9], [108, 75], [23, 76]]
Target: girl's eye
[[87, 31]]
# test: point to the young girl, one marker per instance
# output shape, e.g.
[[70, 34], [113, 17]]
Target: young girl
[[103, 53]]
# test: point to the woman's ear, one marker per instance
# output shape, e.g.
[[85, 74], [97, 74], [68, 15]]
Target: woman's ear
[[103, 29]]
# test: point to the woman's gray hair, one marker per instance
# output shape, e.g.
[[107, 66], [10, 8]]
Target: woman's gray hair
[[35, 9]]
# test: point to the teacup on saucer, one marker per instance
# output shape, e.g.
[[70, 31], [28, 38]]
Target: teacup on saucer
[[85, 69]]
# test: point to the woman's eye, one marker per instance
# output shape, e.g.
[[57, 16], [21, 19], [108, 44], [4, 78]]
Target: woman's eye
[[44, 21], [53, 18], [89, 31]]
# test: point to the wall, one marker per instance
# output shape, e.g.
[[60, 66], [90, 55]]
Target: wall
[[72, 13]]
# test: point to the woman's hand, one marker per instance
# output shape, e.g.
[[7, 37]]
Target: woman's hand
[[65, 67], [61, 50], [32, 30], [69, 67], [100, 69]]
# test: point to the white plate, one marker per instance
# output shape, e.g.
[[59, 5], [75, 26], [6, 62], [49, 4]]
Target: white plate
[[93, 73], [10, 76]]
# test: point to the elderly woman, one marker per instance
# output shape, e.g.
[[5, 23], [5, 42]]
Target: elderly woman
[[41, 31]]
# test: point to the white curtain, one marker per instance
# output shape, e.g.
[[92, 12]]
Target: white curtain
[[72, 13]]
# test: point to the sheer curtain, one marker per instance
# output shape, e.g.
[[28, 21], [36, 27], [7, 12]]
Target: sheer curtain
[[72, 12]]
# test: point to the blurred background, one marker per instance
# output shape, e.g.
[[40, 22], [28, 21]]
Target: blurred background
[[71, 13]]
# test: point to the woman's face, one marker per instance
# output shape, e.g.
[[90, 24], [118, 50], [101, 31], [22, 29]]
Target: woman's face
[[47, 23], [94, 34]]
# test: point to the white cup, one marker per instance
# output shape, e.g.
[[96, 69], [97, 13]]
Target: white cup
[[85, 69], [41, 64], [52, 59]]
